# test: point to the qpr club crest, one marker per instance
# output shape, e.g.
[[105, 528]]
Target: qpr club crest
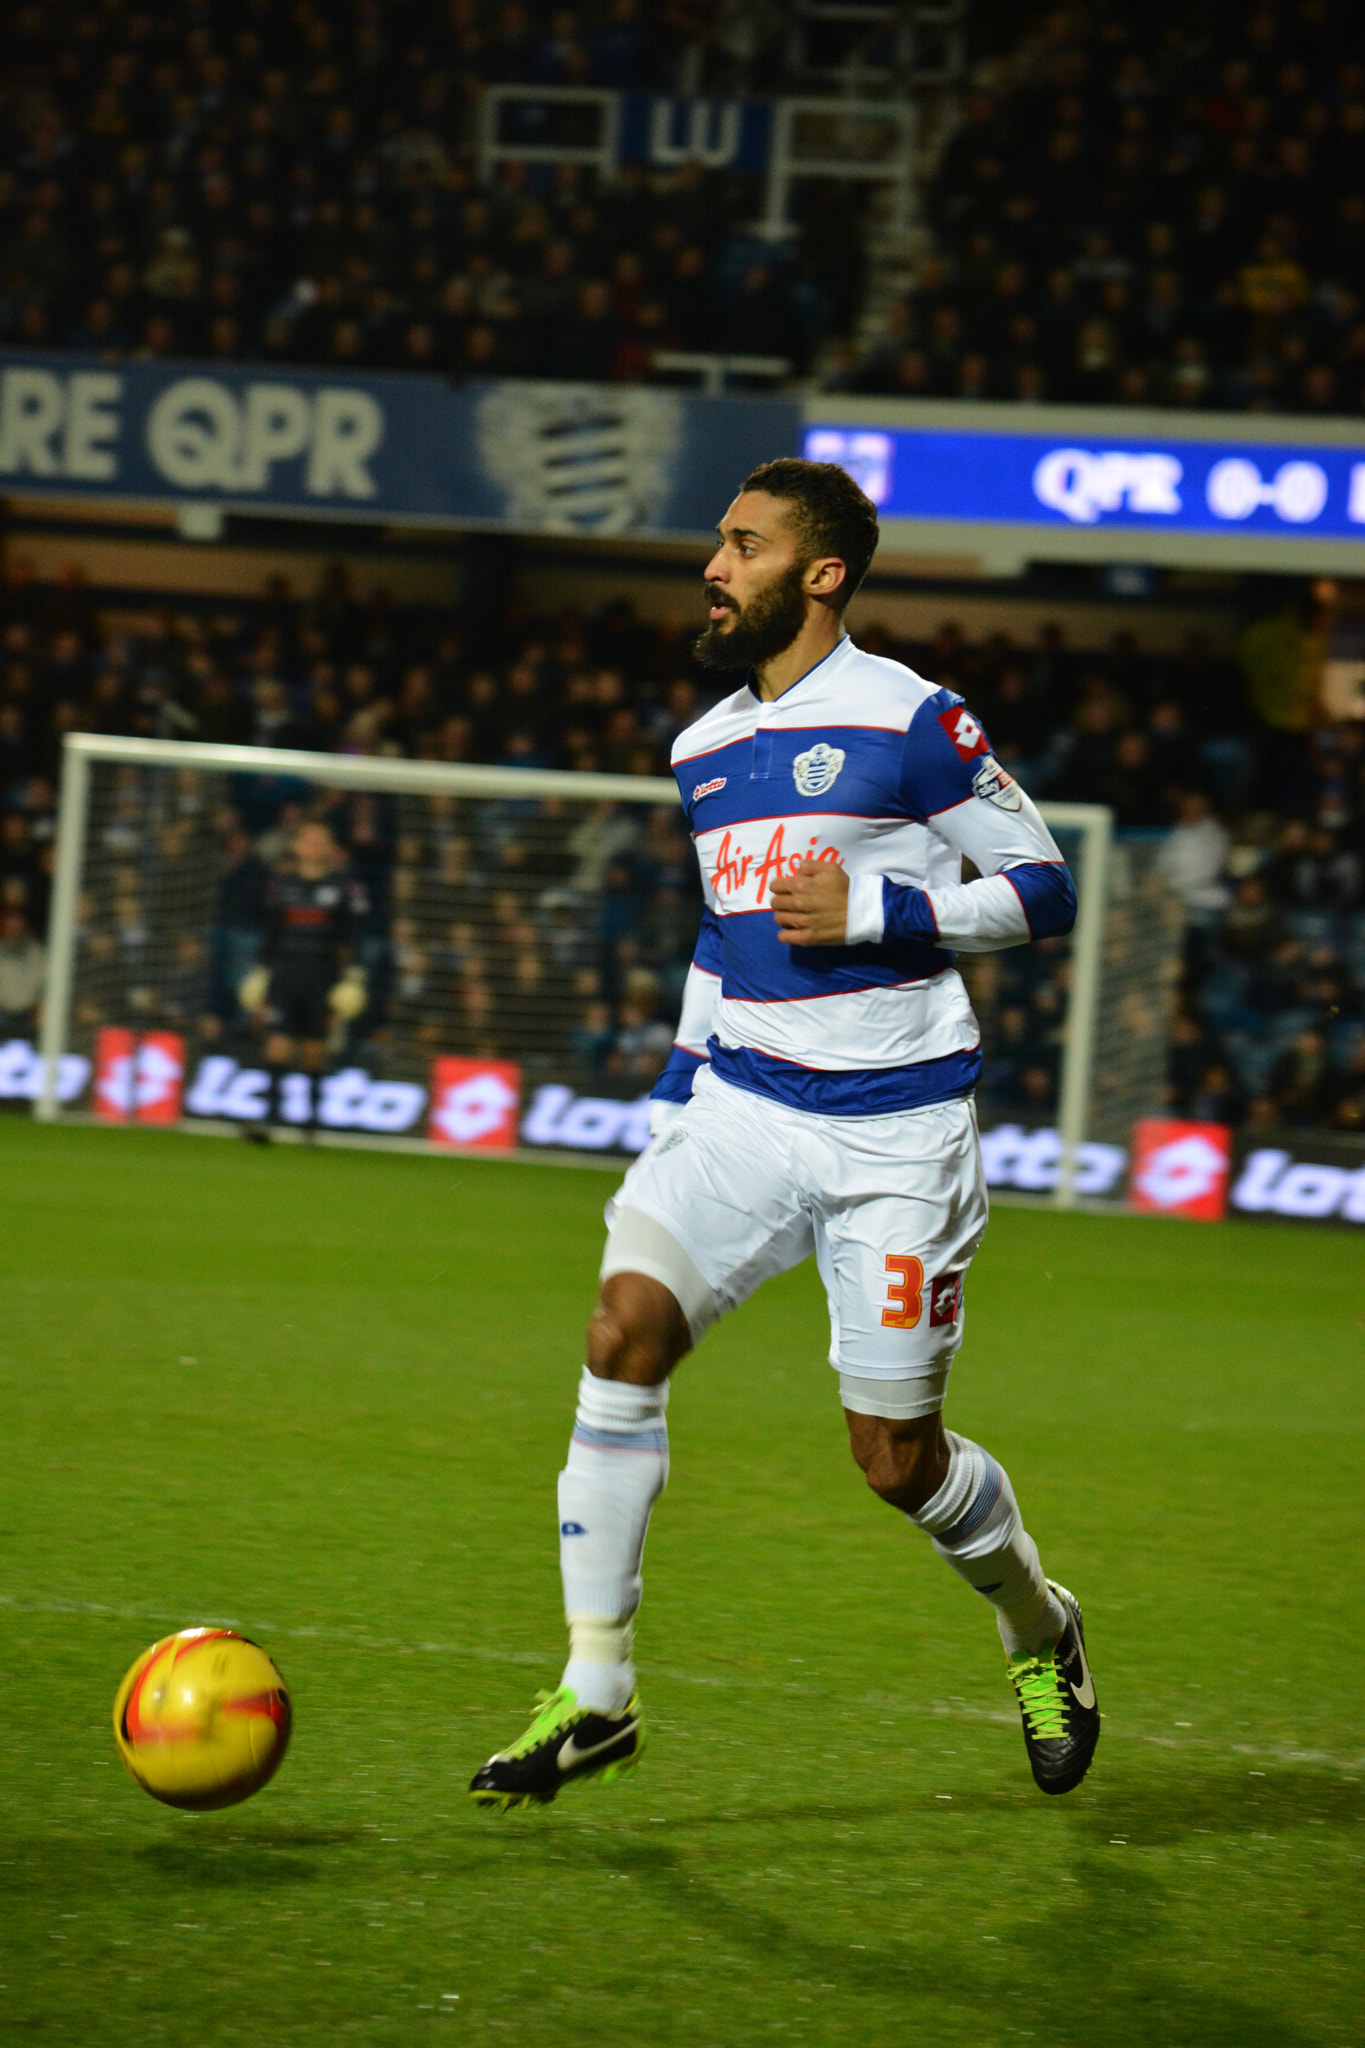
[[814, 771]]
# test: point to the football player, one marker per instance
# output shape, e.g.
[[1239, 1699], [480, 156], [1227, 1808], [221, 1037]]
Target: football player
[[819, 1099], [308, 984]]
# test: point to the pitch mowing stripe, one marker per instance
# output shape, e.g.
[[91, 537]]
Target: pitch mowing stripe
[[939, 1710]]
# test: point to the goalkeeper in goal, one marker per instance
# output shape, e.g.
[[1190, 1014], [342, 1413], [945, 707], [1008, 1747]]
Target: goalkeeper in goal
[[308, 985]]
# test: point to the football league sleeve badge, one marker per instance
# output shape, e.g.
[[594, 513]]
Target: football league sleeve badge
[[995, 785]]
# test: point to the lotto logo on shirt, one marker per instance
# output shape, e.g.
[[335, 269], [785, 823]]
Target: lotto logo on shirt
[[138, 1078], [964, 731], [474, 1102], [744, 861], [945, 1300], [1181, 1169]]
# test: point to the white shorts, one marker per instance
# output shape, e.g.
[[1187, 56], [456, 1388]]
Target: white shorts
[[892, 1206]]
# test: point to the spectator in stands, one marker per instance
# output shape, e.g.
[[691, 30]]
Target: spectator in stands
[[644, 1040], [1301, 1081], [1251, 923], [1348, 1104], [1120, 230], [23, 974], [1194, 858], [260, 215]]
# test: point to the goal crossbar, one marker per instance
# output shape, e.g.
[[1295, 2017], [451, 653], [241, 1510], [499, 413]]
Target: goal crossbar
[[1093, 822]]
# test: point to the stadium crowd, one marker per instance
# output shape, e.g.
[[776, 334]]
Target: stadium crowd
[[1147, 206], [479, 927], [295, 183], [1139, 206]]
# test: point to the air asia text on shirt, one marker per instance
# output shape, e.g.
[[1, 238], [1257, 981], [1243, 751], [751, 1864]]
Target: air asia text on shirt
[[732, 871]]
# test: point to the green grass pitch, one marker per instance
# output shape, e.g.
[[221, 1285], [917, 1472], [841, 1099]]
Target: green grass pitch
[[324, 1396]]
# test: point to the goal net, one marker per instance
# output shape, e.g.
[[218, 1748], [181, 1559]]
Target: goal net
[[522, 938], [1076, 1032]]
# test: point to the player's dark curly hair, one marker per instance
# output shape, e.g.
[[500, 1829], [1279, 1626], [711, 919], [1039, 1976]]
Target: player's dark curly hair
[[832, 516]]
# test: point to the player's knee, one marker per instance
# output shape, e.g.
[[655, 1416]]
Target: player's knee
[[637, 1333], [904, 1465], [620, 1350]]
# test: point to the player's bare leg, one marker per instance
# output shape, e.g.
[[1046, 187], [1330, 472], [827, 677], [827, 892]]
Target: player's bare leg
[[638, 1332], [962, 1498]]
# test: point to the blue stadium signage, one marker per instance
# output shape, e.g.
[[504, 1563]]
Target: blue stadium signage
[[1071, 480], [532, 457], [720, 134], [638, 460]]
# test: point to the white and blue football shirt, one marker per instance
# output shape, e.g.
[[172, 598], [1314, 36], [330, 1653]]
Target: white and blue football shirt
[[866, 764]]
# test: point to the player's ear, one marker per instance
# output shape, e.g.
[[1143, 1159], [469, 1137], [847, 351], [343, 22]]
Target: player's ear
[[825, 578]]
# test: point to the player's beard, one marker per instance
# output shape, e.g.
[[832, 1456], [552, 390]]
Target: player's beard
[[764, 628]]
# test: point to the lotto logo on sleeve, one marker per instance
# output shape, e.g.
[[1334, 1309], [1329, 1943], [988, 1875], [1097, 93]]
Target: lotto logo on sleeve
[[138, 1078], [964, 732], [1181, 1169], [474, 1102], [945, 1300]]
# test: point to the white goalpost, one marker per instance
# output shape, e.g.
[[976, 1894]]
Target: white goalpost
[[499, 884]]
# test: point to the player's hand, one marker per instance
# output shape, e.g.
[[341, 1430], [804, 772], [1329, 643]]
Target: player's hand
[[811, 906], [348, 996], [253, 988]]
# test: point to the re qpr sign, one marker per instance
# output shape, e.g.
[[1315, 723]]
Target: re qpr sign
[[1299, 1177], [249, 437]]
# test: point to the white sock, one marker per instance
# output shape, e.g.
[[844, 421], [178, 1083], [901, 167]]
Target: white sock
[[974, 1521], [616, 1469]]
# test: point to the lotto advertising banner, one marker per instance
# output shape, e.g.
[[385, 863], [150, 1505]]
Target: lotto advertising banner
[[530, 457], [1180, 1169], [474, 1102], [348, 1100], [1194, 1170], [1299, 1177], [138, 1078], [21, 1074], [586, 1123], [1031, 1160], [468, 1103]]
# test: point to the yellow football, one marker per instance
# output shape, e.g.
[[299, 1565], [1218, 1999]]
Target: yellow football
[[202, 1719]]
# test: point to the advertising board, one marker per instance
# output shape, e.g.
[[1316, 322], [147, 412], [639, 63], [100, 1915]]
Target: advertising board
[[1030, 1161], [348, 1100], [474, 1102], [1299, 1177], [138, 1077], [21, 1074], [1180, 1169]]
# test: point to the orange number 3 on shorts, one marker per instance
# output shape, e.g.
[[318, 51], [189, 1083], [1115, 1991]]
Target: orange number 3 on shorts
[[904, 1280]]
